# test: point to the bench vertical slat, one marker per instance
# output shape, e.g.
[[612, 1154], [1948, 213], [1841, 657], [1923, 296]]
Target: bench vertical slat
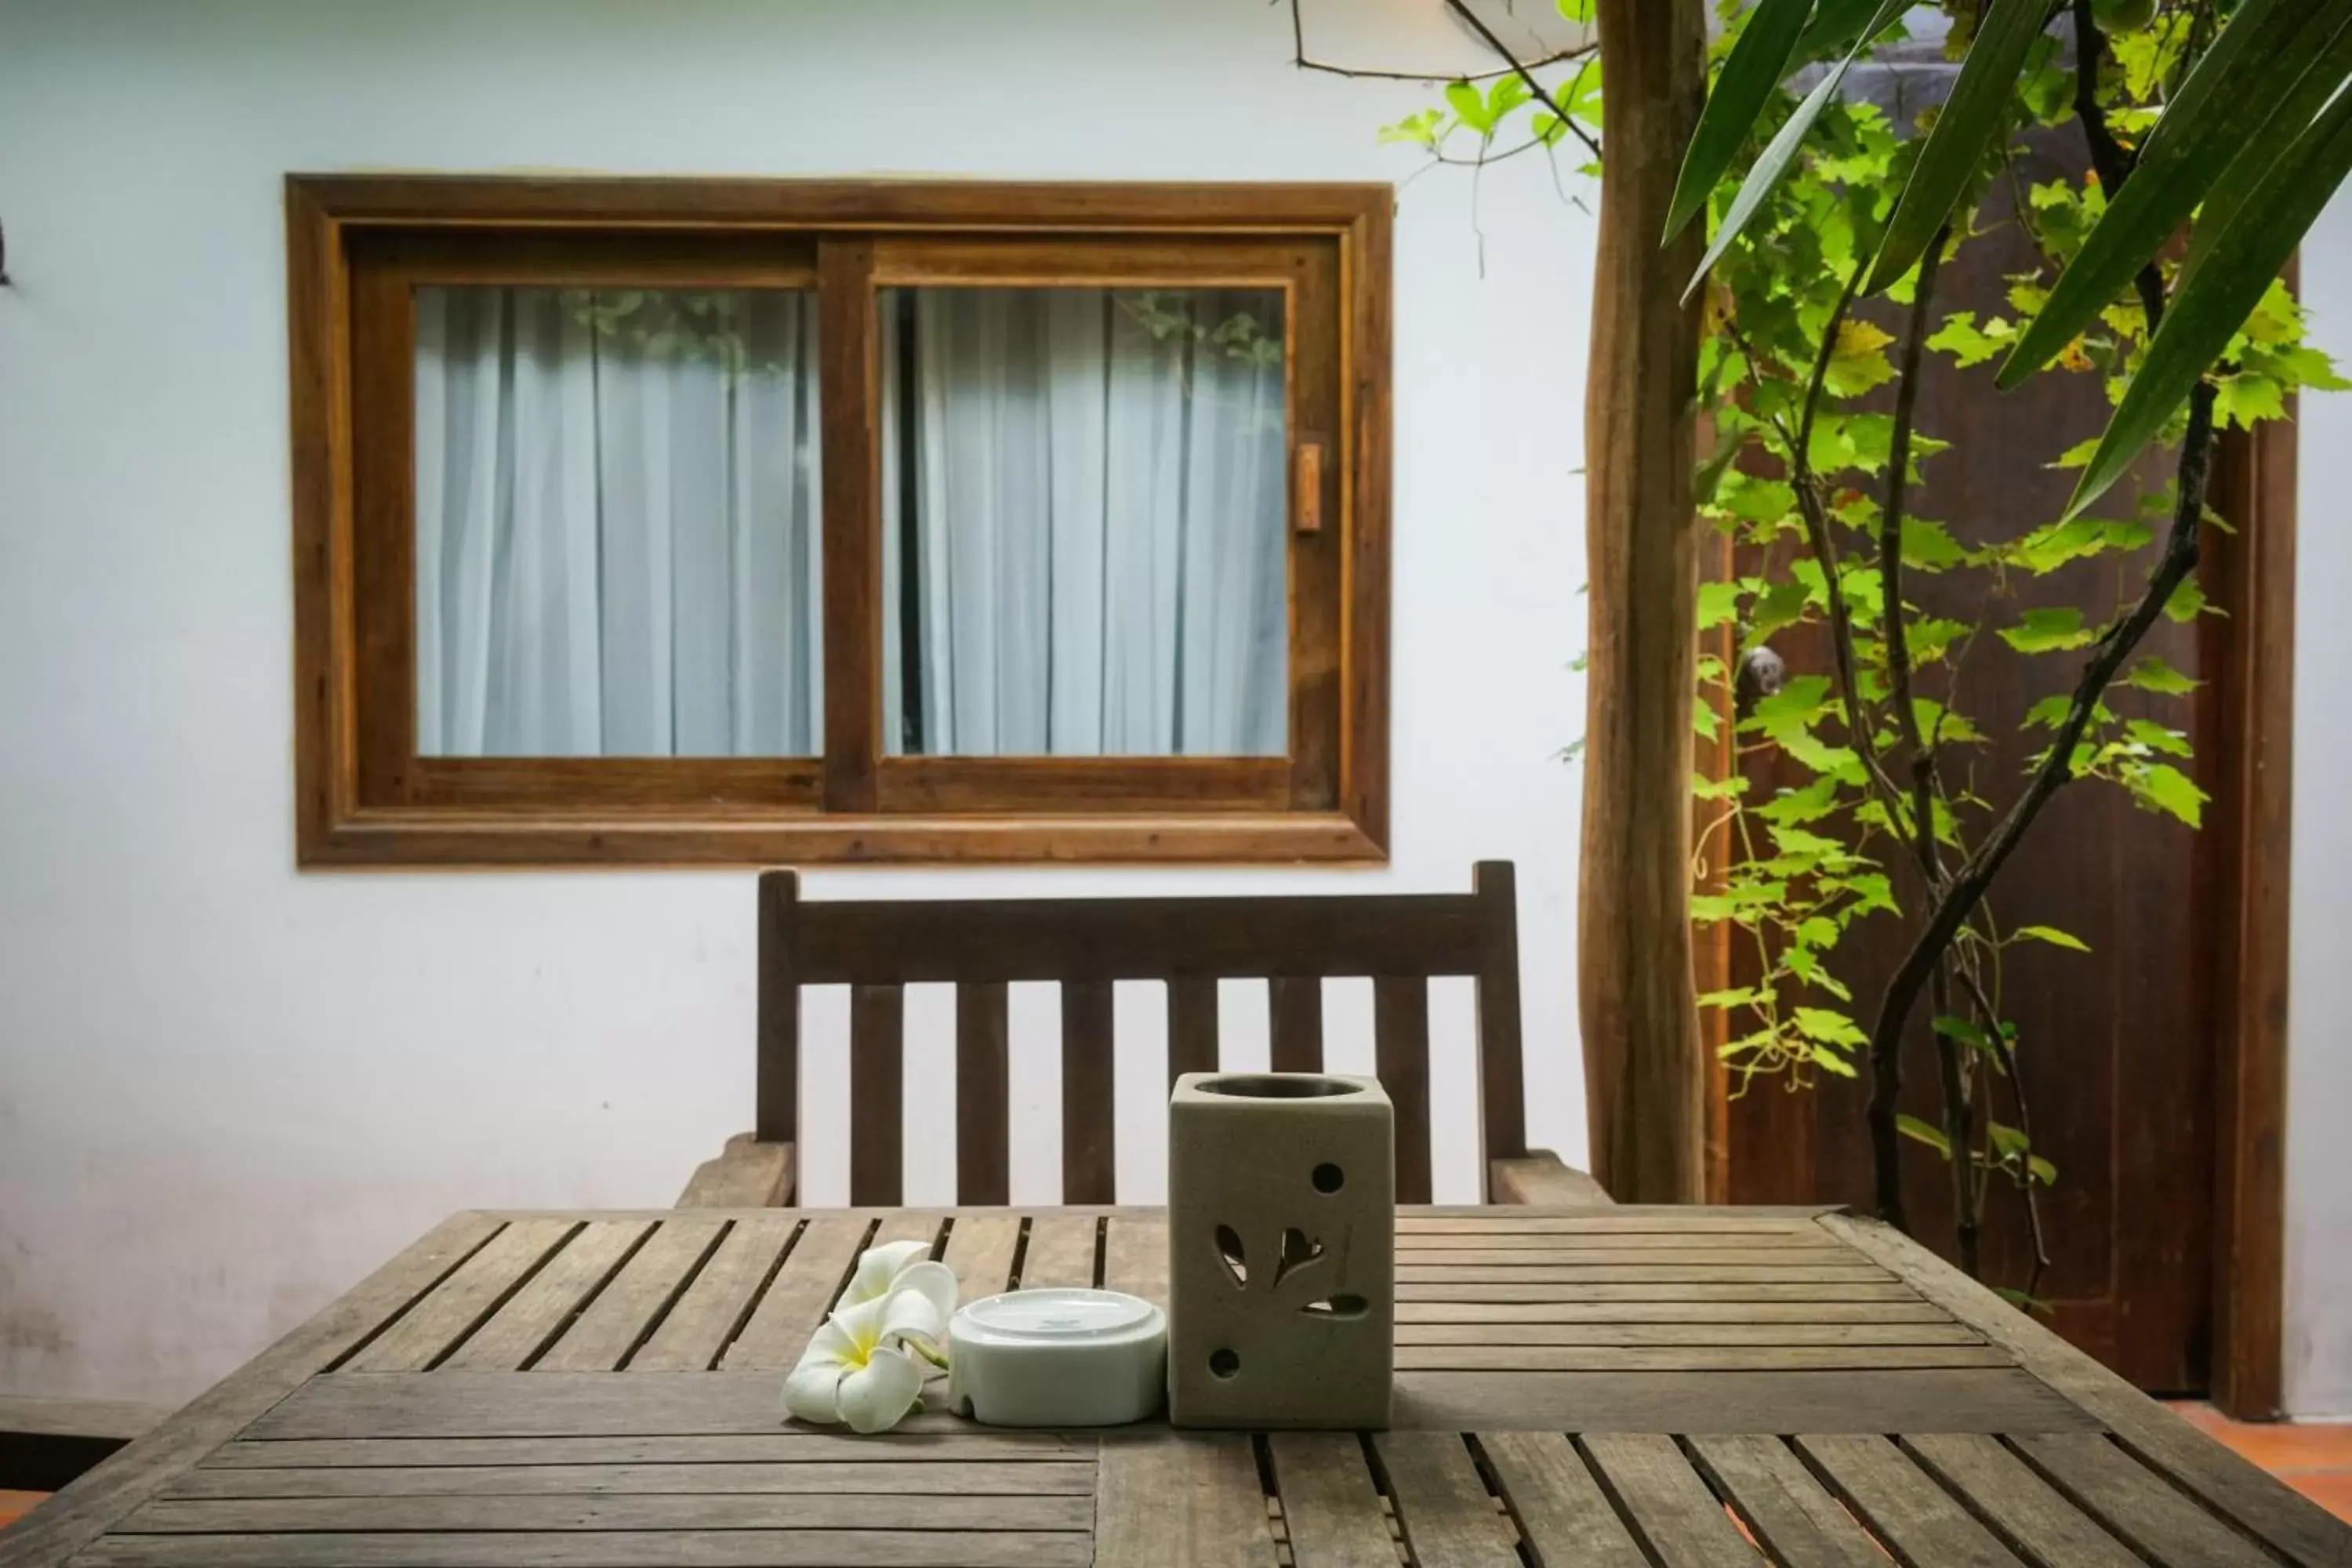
[[1087, 1108], [1296, 1004], [984, 1096], [1502, 1095], [1191, 1025], [777, 1112], [878, 1083], [1400, 1047]]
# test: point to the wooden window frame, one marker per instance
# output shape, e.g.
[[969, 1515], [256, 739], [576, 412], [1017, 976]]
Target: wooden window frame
[[358, 245]]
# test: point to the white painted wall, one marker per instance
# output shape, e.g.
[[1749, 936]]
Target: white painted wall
[[2318, 1348], [228, 1091]]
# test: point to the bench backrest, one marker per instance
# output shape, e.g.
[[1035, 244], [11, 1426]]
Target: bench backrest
[[1401, 941]]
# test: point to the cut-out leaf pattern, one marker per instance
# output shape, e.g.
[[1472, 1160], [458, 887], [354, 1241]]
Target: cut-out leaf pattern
[[1229, 1250], [1297, 1249], [1292, 1266]]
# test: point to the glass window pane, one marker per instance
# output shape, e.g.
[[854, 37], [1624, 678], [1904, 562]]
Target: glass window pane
[[1084, 504], [617, 523]]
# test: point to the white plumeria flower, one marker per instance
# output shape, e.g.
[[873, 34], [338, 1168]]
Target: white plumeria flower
[[882, 1269], [867, 1362]]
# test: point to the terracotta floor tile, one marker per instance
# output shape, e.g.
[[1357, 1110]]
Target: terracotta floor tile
[[15, 1504], [2331, 1489], [2278, 1446], [2312, 1456]]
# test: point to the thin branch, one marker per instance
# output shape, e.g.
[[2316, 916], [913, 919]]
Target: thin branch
[[2032, 1199], [1525, 73], [1960, 1130], [1304, 61], [1861, 724], [1890, 565], [1952, 1071]]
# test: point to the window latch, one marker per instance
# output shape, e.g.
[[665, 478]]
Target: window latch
[[1310, 487]]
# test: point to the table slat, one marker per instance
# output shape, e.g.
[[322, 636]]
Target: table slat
[[885, 1474], [914, 1443], [1653, 1274], [2149, 1513], [1135, 1257], [1329, 1505], [2023, 1510], [1171, 1502], [1565, 1515], [1624, 1219], [457, 1514], [1901, 1504], [1586, 1310], [1675, 1333], [1512, 1262], [626, 1311], [714, 1305], [636, 1549], [1527, 1291], [454, 1307], [1469, 1236], [980, 1252], [1450, 1519], [799, 1296], [1668, 1503], [1948, 1399], [535, 1314], [1784, 1506], [1693, 1358], [1061, 1252]]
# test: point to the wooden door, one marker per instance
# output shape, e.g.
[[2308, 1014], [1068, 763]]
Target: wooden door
[[2117, 1044]]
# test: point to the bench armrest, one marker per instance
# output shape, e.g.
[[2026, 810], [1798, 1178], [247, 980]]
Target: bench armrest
[[1538, 1176], [747, 1174]]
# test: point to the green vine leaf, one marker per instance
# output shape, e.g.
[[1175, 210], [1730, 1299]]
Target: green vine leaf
[[2149, 673], [2051, 935], [1929, 546], [2048, 630], [1920, 1132], [2164, 788]]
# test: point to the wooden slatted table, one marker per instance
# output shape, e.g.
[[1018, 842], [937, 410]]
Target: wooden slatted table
[[1618, 1386]]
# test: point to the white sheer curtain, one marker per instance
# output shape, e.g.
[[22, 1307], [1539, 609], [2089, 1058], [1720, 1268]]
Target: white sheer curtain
[[617, 523], [1098, 504]]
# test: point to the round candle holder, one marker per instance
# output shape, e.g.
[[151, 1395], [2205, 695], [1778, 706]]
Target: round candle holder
[[1058, 1358]]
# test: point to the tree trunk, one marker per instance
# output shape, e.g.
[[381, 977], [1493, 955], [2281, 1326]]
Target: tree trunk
[[1645, 1073]]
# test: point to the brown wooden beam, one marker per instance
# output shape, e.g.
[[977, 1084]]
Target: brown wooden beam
[[1644, 1072], [2249, 654]]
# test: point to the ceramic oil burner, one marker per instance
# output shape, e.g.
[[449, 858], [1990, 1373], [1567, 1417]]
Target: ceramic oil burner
[[1282, 1244]]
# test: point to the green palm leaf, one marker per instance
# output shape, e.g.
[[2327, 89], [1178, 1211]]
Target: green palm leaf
[[1971, 116], [1774, 161], [2331, 64], [2227, 105], [1753, 69], [2239, 266]]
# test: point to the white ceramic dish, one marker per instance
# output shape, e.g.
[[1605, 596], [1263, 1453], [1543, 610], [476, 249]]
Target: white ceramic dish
[[1058, 1358]]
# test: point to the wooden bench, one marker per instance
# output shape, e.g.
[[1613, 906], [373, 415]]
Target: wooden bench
[[877, 948]]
